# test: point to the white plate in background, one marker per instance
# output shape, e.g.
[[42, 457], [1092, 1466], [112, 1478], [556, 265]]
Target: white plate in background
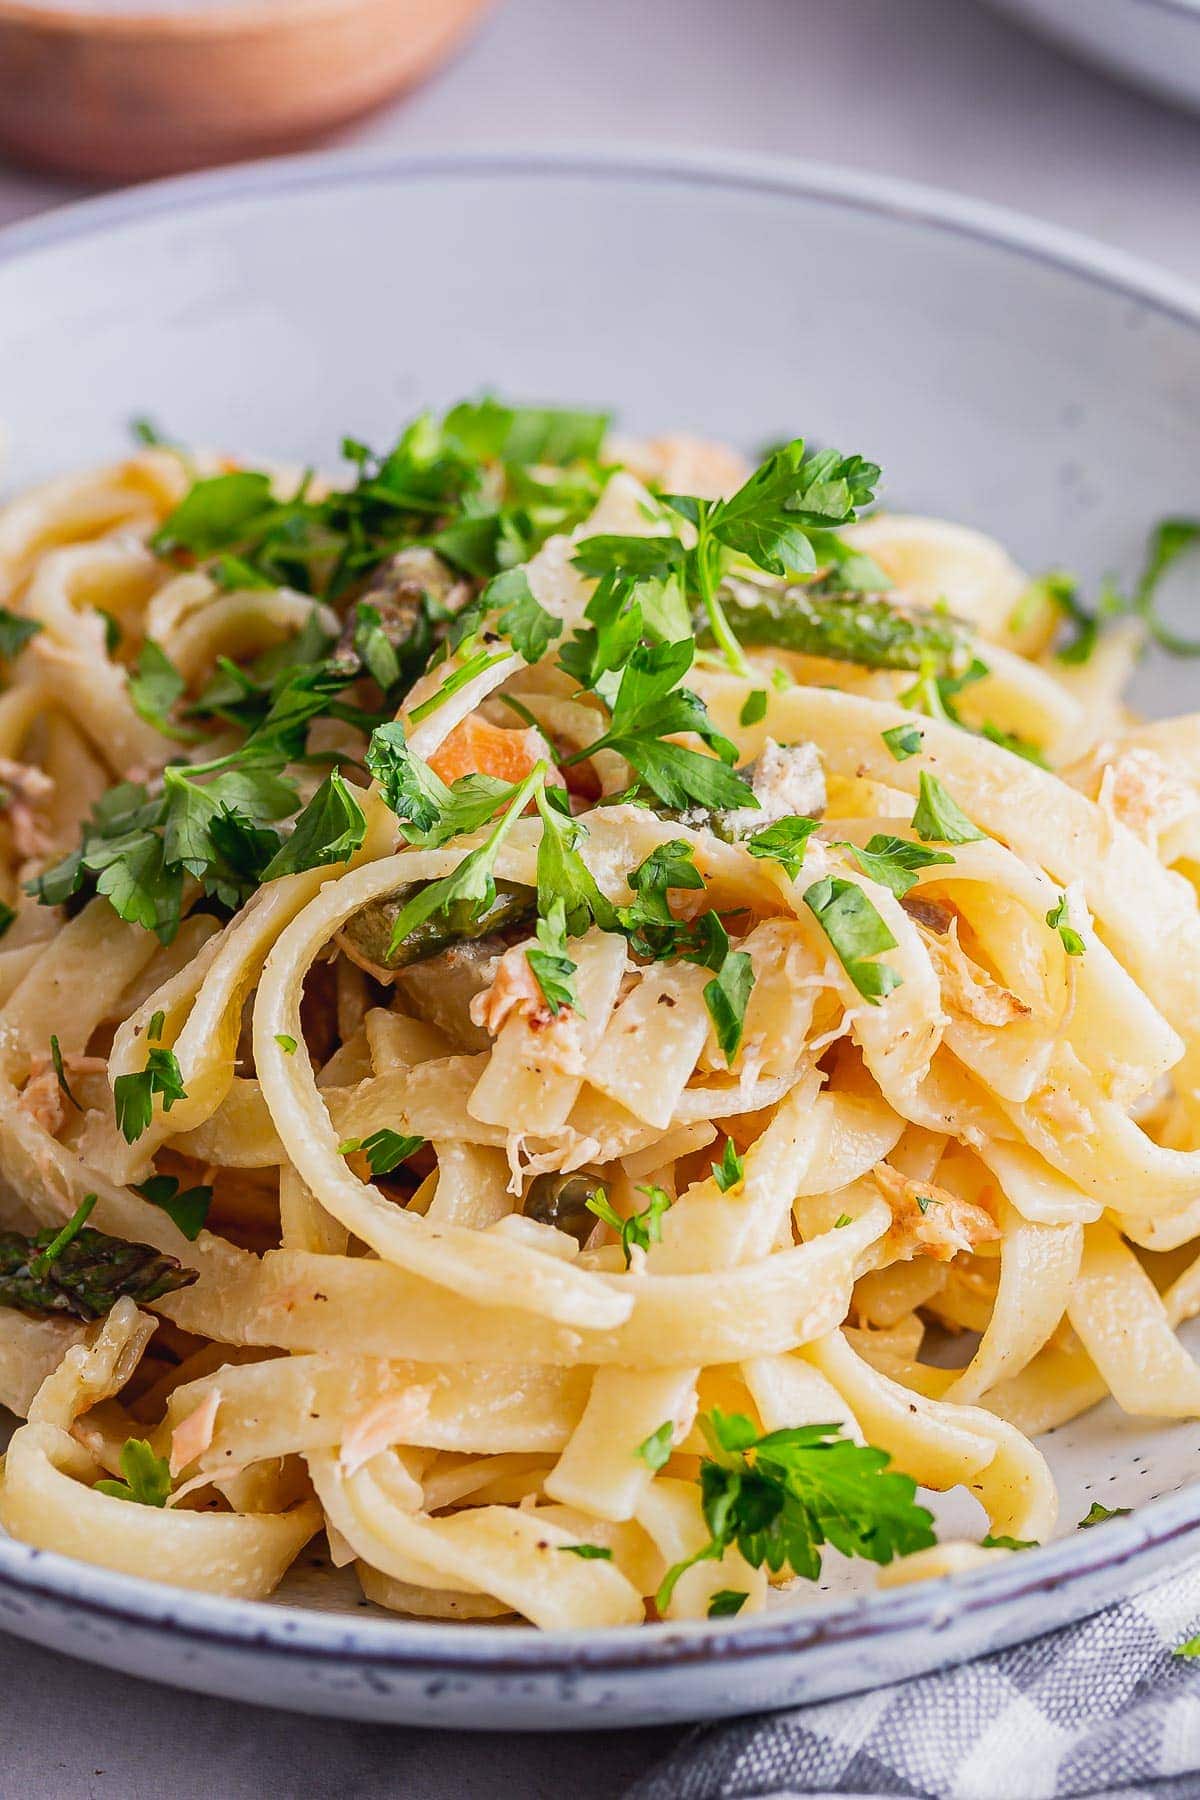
[[1154, 44]]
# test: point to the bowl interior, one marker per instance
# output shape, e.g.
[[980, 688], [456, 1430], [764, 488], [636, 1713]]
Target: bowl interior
[[1050, 400]]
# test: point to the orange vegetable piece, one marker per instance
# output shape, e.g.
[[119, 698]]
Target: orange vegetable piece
[[477, 748]]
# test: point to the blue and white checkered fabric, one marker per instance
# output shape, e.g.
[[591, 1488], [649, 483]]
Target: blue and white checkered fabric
[[1101, 1709]]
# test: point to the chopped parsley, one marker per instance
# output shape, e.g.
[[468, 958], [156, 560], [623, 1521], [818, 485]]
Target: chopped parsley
[[434, 487], [857, 934], [133, 1095], [726, 997], [186, 1208], [146, 1477], [154, 688], [384, 1150], [1058, 919], [655, 1451], [552, 967], [1097, 1515], [731, 1168], [329, 830], [754, 708], [15, 632], [938, 818], [588, 1552], [641, 1229], [726, 1602], [783, 842], [894, 861], [903, 741], [60, 1074]]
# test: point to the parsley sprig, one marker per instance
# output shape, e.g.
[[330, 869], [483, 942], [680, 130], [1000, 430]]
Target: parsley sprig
[[436, 486], [640, 1229], [133, 1094], [146, 1477], [781, 1496]]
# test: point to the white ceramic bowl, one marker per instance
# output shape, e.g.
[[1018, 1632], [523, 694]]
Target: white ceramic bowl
[[1153, 43], [1002, 373]]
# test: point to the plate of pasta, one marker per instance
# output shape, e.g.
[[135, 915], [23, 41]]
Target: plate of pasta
[[596, 1020]]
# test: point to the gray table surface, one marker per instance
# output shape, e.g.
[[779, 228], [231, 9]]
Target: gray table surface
[[936, 90]]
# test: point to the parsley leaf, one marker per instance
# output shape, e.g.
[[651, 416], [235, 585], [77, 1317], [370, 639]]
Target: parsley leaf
[[1008, 740], [287, 1043], [414, 793], [133, 1095], [147, 1477], [215, 512], [726, 1602], [729, 1171], [384, 1150], [552, 968], [655, 1451], [524, 621], [648, 707], [782, 1496], [641, 1229], [670, 865], [893, 861], [903, 741], [788, 496], [60, 1074], [329, 830], [1189, 1648], [1059, 919], [154, 687], [15, 632], [188, 1210], [783, 842], [562, 874], [588, 1552], [994, 1542], [938, 818], [726, 996], [754, 707], [1097, 1515], [857, 933]]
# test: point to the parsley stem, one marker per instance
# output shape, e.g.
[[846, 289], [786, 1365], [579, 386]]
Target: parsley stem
[[475, 665], [438, 895], [706, 582], [39, 1265]]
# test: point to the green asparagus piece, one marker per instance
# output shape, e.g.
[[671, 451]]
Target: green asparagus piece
[[86, 1276], [369, 932], [860, 628]]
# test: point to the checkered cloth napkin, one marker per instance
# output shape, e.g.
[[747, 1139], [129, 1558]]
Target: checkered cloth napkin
[[1102, 1708]]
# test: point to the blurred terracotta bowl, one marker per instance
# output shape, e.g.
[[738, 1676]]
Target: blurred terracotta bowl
[[125, 94]]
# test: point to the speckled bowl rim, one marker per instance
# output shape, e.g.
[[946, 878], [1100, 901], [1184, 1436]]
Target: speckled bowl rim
[[1163, 1530]]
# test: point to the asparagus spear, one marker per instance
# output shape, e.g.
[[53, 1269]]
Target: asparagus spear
[[860, 628], [368, 934], [81, 1271]]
